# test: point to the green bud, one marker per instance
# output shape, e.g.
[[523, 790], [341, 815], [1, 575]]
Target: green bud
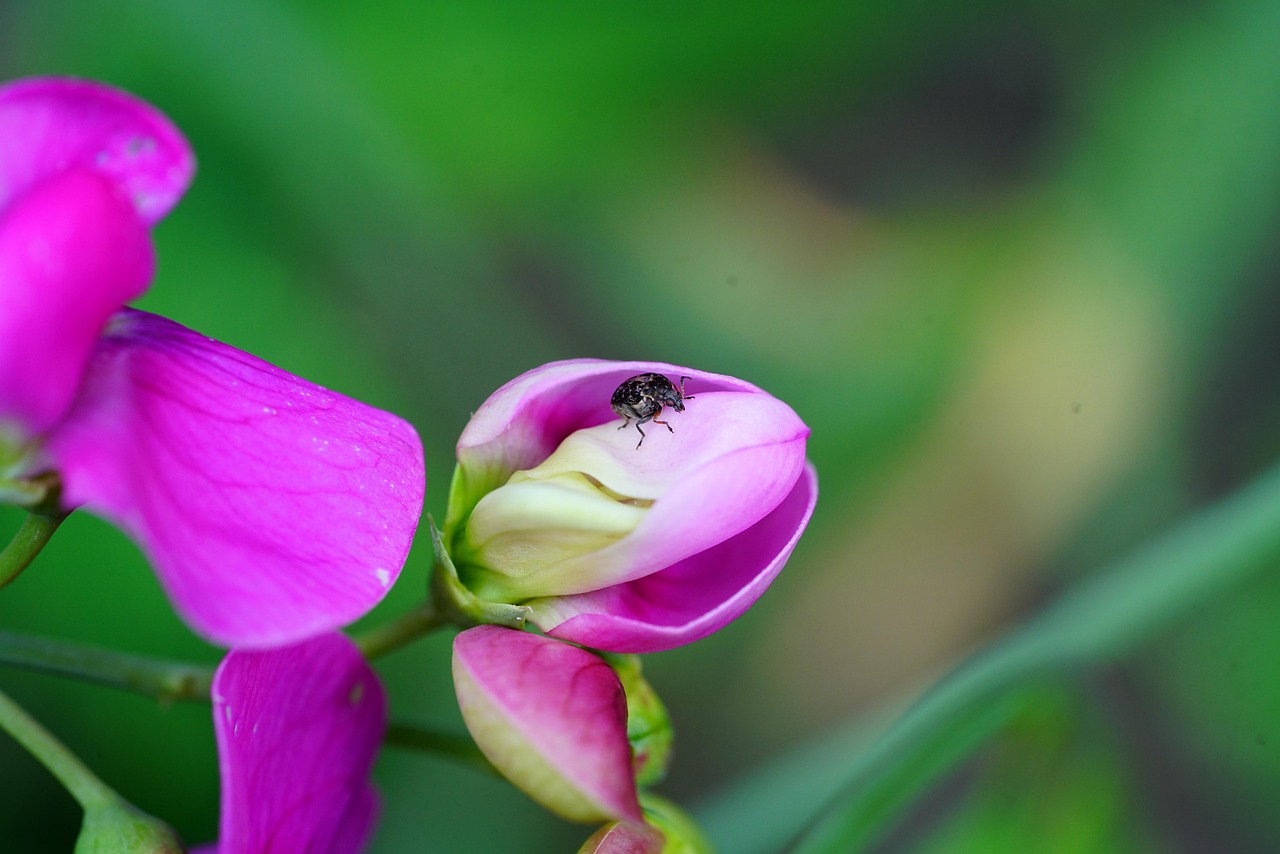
[[648, 725], [121, 829], [682, 833]]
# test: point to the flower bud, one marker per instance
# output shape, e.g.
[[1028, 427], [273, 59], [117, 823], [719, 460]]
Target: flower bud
[[682, 834], [648, 725], [668, 830], [624, 837], [551, 717]]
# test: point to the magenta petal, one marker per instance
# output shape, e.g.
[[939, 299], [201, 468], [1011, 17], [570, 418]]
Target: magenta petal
[[298, 729], [524, 421], [272, 509], [693, 598], [72, 251], [624, 837], [51, 125], [550, 716]]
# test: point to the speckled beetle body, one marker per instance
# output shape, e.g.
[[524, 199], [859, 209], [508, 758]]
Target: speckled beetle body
[[642, 397]]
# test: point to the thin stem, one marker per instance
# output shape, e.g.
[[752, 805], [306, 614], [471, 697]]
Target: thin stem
[[30, 538], [166, 681], [456, 747], [380, 640], [83, 784]]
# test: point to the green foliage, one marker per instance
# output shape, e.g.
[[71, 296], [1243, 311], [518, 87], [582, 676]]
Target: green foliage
[[1012, 263]]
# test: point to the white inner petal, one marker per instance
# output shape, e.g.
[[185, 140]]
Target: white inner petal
[[531, 523]]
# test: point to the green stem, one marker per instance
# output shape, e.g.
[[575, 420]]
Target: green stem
[[380, 640], [456, 747], [90, 792], [166, 681], [450, 603], [31, 537]]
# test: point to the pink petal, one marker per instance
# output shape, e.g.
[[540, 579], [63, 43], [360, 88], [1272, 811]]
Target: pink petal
[[733, 457], [272, 509], [525, 420], [72, 251], [624, 837], [51, 125], [550, 716], [691, 599], [298, 729]]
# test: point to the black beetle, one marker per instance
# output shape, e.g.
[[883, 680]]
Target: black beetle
[[643, 396]]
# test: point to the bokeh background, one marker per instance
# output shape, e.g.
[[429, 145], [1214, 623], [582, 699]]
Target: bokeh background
[[1016, 264]]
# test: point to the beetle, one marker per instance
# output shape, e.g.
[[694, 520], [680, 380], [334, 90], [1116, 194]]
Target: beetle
[[643, 396]]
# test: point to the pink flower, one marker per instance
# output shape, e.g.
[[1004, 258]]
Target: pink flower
[[298, 729], [552, 718], [623, 548], [271, 508]]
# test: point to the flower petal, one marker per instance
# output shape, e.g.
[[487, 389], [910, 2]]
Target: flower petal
[[272, 509], [624, 837], [298, 729], [691, 599], [524, 421], [72, 251], [49, 125], [551, 717], [523, 527], [734, 458]]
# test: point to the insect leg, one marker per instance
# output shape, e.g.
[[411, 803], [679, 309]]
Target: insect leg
[[638, 423], [655, 415], [684, 396]]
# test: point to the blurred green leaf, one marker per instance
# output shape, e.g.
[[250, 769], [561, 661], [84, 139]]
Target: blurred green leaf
[[1103, 617], [1055, 781]]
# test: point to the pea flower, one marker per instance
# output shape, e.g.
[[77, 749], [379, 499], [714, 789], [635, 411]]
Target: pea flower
[[272, 509], [622, 548], [298, 729], [552, 718]]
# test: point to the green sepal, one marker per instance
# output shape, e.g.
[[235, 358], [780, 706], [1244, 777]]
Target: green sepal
[[468, 486], [459, 605], [43, 498], [648, 725], [682, 833], [39, 493], [117, 828]]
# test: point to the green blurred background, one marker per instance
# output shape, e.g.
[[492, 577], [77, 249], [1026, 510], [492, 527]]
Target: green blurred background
[[1015, 264]]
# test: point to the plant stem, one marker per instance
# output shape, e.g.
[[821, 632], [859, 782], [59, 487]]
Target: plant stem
[[456, 747], [380, 640], [166, 681], [84, 786], [30, 538]]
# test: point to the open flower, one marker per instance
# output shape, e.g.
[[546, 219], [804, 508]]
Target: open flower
[[271, 508], [298, 729], [623, 548]]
